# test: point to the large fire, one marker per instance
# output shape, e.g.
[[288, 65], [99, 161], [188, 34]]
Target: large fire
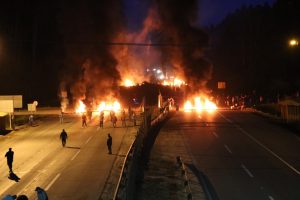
[[199, 104], [80, 108], [109, 106], [176, 82], [128, 83]]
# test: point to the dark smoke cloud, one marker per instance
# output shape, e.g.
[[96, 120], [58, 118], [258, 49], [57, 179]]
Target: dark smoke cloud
[[87, 27], [177, 19]]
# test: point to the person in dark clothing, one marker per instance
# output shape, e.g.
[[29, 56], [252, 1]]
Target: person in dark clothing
[[109, 143], [101, 119], [41, 194], [84, 120], [63, 137], [10, 158]]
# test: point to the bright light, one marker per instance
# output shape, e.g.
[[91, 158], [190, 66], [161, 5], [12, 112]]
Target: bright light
[[158, 71], [200, 104], [80, 108], [293, 42], [128, 83], [188, 106], [109, 106], [161, 76]]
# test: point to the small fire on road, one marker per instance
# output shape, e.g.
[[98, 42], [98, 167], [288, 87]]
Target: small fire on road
[[199, 104]]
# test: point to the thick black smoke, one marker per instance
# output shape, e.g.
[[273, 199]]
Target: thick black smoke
[[88, 26], [177, 18]]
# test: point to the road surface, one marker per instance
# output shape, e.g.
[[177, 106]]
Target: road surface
[[78, 171], [243, 155]]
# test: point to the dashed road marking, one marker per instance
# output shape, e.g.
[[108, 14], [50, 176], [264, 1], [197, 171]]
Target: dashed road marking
[[263, 146], [88, 140], [271, 198], [51, 183], [227, 148], [247, 171], [215, 134], [75, 155]]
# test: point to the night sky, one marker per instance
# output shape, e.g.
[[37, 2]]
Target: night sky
[[212, 12]]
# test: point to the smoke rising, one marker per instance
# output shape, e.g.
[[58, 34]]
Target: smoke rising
[[95, 69], [177, 18], [87, 27]]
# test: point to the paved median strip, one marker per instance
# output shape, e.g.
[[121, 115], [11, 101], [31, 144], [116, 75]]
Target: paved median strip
[[247, 171]]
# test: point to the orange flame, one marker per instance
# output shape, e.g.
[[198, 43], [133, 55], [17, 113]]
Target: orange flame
[[81, 108], [109, 106], [199, 104], [175, 82], [128, 83]]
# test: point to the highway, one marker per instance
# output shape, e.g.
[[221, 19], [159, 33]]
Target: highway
[[78, 171], [244, 156]]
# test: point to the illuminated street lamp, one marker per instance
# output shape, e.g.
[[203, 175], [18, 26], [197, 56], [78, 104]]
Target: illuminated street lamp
[[293, 42]]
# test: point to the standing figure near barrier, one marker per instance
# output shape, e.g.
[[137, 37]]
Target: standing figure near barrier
[[109, 143], [123, 118], [134, 118]]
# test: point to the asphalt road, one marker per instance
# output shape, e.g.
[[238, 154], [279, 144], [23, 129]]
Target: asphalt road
[[244, 156], [78, 171]]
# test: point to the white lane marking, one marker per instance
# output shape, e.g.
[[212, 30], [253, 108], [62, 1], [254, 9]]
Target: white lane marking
[[269, 150], [227, 148], [271, 198], [266, 148], [88, 140], [247, 171], [215, 134], [75, 155], [51, 183]]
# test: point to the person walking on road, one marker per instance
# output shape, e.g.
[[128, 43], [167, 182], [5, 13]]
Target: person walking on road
[[10, 158], [109, 143], [84, 120], [41, 194], [63, 137]]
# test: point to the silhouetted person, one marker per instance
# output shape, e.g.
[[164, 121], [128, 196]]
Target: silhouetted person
[[22, 197], [101, 119], [134, 118], [10, 158], [109, 143], [114, 121], [84, 120], [123, 118], [63, 137], [61, 117], [30, 120], [41, 194]]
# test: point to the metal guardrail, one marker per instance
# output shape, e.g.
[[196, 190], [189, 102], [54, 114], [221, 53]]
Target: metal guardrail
[[187, 186], [124, 188]]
